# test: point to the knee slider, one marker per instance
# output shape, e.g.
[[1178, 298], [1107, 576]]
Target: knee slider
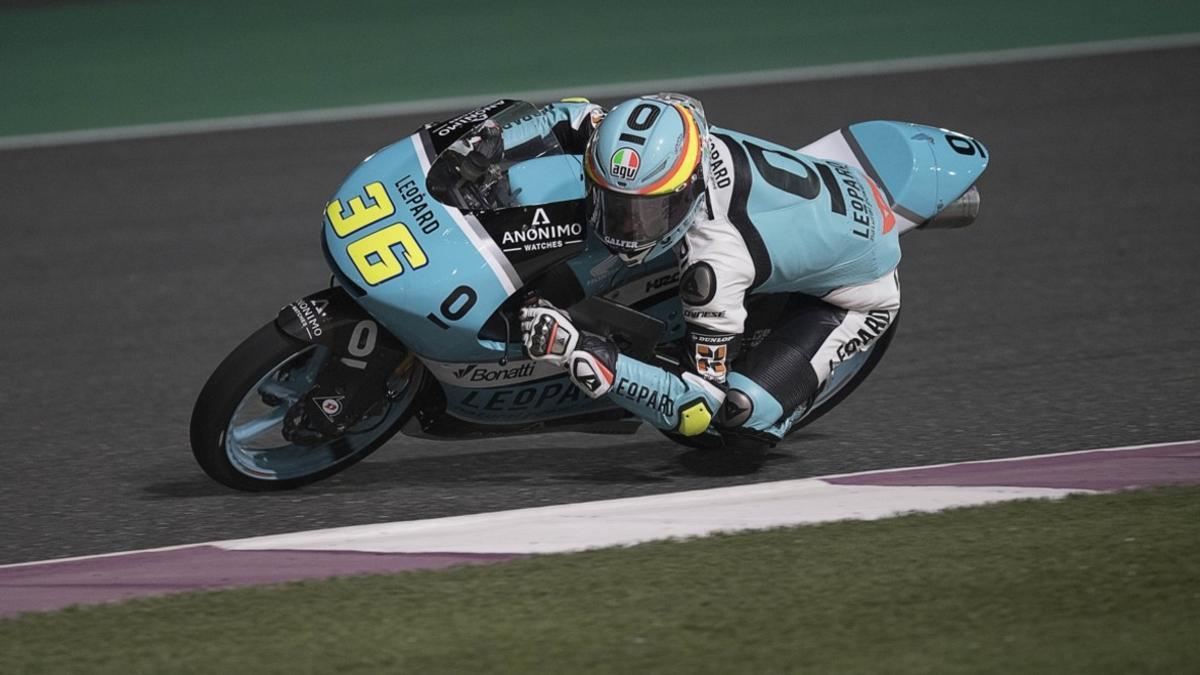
[[694, 418]]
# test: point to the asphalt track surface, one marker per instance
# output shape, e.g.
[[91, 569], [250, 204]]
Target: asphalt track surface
[[1065, 319]]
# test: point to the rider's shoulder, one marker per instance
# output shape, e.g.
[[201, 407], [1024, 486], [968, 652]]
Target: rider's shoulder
[[734, 154], [715, 240]]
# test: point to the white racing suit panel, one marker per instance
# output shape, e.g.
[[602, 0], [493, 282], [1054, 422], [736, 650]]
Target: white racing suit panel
[[870, 309]]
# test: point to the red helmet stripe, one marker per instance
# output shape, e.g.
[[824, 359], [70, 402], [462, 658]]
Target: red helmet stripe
[[687, 161]]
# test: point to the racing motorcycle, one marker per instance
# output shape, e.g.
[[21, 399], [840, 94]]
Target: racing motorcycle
[[435, 243]]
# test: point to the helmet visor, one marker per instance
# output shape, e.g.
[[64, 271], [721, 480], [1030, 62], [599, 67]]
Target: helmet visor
[[628, 223]]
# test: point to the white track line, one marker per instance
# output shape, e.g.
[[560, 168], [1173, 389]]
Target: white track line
[[1120, 448], [701, 82], [114, 554], [567, 527]]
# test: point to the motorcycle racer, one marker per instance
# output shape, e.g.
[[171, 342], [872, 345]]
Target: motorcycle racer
[[788, 267]]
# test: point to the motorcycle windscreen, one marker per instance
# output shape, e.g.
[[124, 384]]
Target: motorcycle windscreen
[[472, 173]]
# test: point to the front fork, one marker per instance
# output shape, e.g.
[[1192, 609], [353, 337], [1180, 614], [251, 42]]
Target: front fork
[[353, 380]]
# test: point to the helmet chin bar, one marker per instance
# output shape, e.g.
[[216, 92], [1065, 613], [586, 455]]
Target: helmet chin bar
[[631, 258]]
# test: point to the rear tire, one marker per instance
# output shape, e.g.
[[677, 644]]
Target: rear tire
[[262, 354], [873, 359]]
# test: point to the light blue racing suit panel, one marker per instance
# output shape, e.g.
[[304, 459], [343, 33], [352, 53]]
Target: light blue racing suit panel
[[810, 225]]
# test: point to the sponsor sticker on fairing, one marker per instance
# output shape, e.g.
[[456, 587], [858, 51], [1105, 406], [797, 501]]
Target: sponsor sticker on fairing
[[310, 313], [487, 375]]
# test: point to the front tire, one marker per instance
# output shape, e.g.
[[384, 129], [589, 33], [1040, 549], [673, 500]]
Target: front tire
[[238, 417]]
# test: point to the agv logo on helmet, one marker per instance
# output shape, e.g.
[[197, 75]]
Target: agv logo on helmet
[[625, 163]]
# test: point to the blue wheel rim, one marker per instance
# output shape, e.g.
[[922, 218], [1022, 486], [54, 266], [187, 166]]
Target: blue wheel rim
[[253, 439]]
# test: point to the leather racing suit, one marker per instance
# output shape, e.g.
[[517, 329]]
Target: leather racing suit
[[789, 270]]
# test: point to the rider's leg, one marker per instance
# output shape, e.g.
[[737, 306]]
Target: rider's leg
[[785, 371]]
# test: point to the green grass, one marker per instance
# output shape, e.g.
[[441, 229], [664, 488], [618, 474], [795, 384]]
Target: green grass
[[1091, 584]]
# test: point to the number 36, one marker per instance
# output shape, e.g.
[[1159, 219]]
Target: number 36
[[374, 255]]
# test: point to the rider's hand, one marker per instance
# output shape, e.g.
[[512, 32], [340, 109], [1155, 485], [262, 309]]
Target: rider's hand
[[548, 333], [483, 152], [489, 141], [593, 365]]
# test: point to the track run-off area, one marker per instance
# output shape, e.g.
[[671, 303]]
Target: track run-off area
[[1059, 322]]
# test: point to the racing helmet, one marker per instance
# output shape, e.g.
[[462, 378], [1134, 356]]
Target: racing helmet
[[644, 170]]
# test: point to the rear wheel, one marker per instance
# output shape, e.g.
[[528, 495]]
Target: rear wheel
[[238, 421], [846, 378]]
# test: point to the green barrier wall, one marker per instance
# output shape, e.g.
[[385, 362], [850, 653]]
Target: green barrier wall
[[71, 66]]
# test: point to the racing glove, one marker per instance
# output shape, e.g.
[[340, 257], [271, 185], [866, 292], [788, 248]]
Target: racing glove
[[549, 335], [593, 365], [684, 404]]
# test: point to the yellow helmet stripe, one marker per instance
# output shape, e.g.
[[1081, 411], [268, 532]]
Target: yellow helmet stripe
[[688, 159]]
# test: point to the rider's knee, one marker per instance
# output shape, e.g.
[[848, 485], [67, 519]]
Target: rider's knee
[[736, 410], [747, 416], [749, 409], [759, 399]]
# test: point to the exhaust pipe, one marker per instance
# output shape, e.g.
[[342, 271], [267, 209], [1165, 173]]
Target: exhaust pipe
[[959, 213]]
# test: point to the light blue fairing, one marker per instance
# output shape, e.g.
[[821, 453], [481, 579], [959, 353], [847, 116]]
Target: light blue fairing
[[404, 303], [466, 276], [599, 273], [923, 168], [544, 399], [456, 259]]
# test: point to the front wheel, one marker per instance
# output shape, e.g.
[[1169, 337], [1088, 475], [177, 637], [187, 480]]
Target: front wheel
[[237, 429]]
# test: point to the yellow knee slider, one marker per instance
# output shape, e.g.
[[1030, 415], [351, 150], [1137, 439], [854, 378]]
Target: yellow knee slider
[[694, 418]]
